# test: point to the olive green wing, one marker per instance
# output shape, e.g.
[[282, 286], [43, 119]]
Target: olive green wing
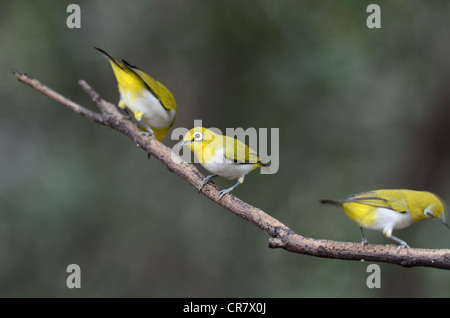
[[239, 152], [159, 90], [380, 199]]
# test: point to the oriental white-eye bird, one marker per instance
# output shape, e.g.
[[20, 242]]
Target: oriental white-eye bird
[[221, 155], [150, 102], [388, 210]]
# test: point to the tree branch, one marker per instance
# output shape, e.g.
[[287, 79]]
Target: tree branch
[[280, 235]]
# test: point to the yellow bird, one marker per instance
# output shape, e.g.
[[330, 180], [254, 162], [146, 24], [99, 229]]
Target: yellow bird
[[221, 155], [388, 210], [150, 102]]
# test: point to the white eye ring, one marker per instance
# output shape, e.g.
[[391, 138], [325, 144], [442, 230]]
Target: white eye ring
[[429, 212], [198, 136]]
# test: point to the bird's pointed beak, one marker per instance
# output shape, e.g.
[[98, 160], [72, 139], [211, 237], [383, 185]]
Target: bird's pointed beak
[[444, 221]]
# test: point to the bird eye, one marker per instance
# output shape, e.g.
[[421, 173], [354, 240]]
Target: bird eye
[[198, 136], [429, 213]]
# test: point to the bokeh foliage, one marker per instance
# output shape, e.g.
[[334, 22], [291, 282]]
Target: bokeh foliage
[[358, 109]]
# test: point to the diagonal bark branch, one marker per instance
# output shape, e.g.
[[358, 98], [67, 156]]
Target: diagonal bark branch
[[280, 235]]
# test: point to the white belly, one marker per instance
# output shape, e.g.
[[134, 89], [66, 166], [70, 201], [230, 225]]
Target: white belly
[[227, 168], [153, 113], [388, 219]]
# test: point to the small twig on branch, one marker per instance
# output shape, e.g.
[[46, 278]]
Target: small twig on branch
[[280, 235]]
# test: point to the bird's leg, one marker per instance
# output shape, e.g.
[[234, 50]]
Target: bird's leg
[[123, 106], [149, 131], [138, 117], [223, 192], [388, 233], [402, 243], [205, 181], [364, 241], [128, 114]]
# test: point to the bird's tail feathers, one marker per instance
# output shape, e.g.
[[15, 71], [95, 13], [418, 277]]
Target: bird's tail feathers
[[108, 57], [332, 202], [129, 65]]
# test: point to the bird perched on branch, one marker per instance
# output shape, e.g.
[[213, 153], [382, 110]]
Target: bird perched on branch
[[150, 102], [388, 210], [221, 155]]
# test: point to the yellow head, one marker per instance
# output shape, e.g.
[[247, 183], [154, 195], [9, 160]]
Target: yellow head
[[203, 143], [434, 207], [421, 204]]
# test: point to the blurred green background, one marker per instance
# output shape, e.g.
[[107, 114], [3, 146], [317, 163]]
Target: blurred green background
[[357, 108]]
